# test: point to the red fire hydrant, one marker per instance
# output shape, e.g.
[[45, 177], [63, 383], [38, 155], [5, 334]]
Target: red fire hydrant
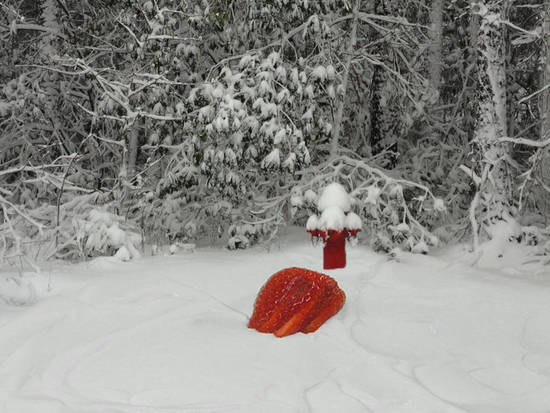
[[335, 225]]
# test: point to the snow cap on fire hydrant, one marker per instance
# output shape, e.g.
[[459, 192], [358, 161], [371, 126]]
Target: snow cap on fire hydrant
[[334, 204], [334, 195]]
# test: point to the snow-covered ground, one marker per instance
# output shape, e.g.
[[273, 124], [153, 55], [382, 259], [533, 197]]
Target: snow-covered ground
[[163, 334]]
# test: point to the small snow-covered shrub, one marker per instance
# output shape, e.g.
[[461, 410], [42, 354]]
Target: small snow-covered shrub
[[168, 219], [434, 164], [104, 233], [184, 215], [243, 236]]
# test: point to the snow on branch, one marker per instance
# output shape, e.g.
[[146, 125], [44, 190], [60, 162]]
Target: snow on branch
[[35, 169], [475, 178], [534, 94], [6, 205], [369, 18], [526, 142], [118, 92], [14, 27]]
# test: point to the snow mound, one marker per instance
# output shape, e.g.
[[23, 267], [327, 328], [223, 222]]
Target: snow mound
[[501, 233], [505, 229], [123, 254], [334, 195], [23, 289]]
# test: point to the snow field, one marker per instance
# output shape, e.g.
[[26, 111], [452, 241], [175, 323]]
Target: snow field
[[168, 334]]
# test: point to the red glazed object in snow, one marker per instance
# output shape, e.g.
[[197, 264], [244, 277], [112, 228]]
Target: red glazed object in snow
[[334, 252], [296, 299]]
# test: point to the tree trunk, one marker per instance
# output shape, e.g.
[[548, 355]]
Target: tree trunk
[[491, 123], [347, 67], [511, 101], [544, 98], [544, 103], [132, 152], [435, 59], [436, 30], [379, 130], [471, 59], [50, 20]]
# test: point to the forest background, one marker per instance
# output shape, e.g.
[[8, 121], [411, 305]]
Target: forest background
[[156, 122]]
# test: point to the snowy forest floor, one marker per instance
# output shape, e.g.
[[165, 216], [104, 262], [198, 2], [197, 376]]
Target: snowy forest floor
[[168, 334]]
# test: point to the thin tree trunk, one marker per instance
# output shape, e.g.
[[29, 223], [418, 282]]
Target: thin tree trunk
[[436, 19], [347, 67], [469, 95], [378, 126], [511, 102], [544, 99], [435, 58], [377, 130], [544, 103], [132, 152], [50, 20]]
